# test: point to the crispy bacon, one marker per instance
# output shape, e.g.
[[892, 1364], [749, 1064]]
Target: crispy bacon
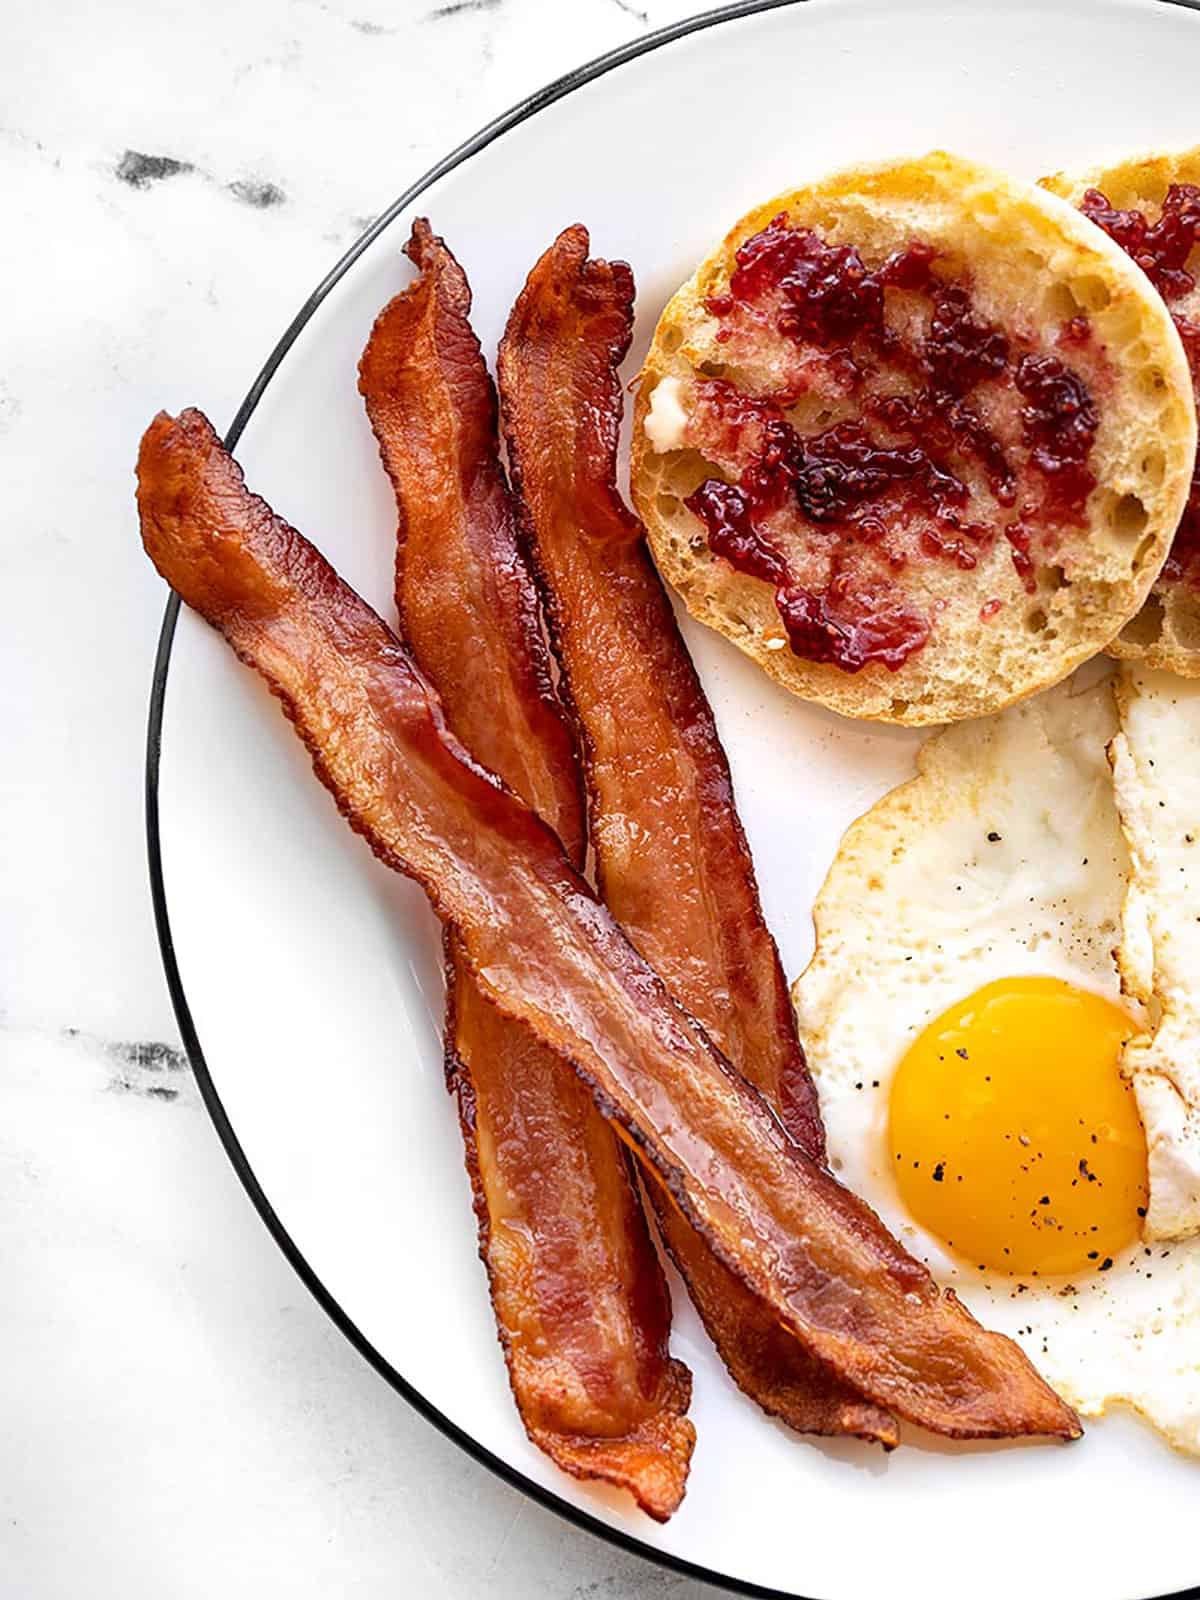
[[465, 596], [581, 1303], [546, 952], [672, 860]]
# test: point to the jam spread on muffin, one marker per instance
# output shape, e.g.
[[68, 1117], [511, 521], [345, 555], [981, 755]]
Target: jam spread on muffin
[[901, 426]]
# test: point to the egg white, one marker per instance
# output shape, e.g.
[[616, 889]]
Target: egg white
[[1156, 777], [1004, 857]]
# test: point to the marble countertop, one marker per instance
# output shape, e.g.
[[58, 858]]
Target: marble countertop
[[180, 1418]]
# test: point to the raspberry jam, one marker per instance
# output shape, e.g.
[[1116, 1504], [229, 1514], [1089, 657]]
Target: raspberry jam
[[928, 432], [827, 293], [833, 478], [842, 624], [1162, 250], [850, 629], [841, 481], [1059, 423], [1018, 537], [961, 351]]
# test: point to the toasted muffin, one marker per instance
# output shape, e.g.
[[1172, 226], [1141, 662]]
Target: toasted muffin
[[1128, 199], [915, 438]]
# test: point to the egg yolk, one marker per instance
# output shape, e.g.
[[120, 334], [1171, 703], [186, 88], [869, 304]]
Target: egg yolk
[[1013, 1136]]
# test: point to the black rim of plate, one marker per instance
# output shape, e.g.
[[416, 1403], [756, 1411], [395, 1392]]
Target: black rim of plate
[[519, 113]]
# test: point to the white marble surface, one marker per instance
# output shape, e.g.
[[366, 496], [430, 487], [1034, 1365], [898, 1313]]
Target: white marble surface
[[179, 1417]]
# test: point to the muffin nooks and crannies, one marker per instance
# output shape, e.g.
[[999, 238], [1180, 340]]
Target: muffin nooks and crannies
[[916, 438], [1151, 207]]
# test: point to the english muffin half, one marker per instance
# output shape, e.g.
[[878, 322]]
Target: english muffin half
[[1150, 205], [915, 438]]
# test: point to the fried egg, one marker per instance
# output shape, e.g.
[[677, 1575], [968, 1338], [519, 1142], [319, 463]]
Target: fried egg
[[1156, 776], [965, 1025]]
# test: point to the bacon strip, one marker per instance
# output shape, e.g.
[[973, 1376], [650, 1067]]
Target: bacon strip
[[546, 952], [581, 1302], [673, 864]]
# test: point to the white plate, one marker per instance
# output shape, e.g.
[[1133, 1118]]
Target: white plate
[[310, 975]]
